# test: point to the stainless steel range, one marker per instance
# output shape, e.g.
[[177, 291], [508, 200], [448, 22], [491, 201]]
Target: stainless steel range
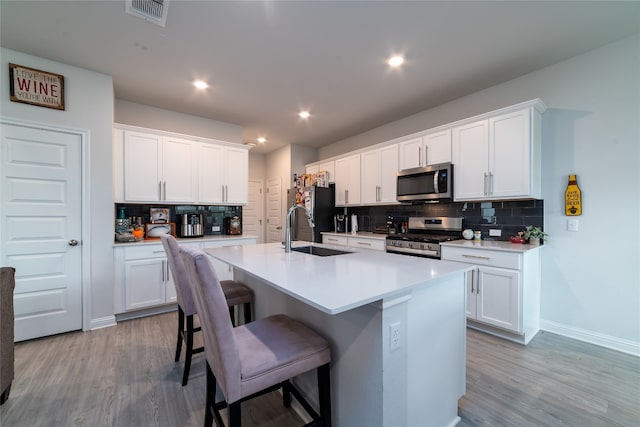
[[424, 236]]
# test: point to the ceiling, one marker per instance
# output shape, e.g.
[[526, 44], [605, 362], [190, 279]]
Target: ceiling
[[267, 60]]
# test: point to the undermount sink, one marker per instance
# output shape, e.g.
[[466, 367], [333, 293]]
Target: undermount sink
[[316, 250]]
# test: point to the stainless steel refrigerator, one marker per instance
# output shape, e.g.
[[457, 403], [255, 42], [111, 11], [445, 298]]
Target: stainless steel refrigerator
[[321, 202]]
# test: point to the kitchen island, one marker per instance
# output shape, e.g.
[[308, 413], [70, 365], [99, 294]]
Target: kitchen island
[[396, 326]]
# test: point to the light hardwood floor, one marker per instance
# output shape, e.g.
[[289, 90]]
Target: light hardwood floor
[[125, 376]]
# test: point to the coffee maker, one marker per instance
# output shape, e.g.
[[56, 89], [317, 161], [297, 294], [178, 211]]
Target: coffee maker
[[340, 223], [191, 225]]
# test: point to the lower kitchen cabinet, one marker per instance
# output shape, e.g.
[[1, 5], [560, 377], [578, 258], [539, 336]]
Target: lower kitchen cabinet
[[503, 291], [143, 279], [373, 243]]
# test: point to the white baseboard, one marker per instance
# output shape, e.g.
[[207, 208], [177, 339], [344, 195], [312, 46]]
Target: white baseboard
[[103, 322], [625, 346]]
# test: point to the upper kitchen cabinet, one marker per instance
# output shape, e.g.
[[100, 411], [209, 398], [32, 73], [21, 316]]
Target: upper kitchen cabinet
[[224, 174], [430, 149], [498, 156], [347, 179], [326, 166], [156, 166], [379, 169], [159, 168]]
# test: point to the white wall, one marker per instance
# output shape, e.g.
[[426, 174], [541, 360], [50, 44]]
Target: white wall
[[88, 107], [257, 166], [590, 279], [130, 113]]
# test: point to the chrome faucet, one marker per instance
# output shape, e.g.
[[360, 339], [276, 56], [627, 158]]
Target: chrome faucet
[[287, 235]]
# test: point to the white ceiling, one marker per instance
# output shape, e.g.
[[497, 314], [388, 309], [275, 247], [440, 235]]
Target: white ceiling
[[267, 60]]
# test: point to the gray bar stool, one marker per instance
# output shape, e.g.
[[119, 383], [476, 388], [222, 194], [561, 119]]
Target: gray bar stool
[[235, 293], [255, 358]]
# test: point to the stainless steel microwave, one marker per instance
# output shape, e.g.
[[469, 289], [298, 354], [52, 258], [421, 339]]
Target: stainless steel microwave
[[427, 183]]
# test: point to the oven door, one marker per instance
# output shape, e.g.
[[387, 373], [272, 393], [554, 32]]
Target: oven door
[[428, 183]]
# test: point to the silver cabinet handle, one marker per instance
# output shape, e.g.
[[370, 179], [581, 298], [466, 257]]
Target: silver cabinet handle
[[332, 240], [473, 280], [164, 186], [485, 184], [73, 242], [158, 252], [363, 243], [222, 193], [163, 271], [476, 256], [490, 183], [426, 154], [346, 196], [159, 190], [420, 156]]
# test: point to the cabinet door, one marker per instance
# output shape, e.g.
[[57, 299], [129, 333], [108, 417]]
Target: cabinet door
[[370, 181], [329, 168], [509, 155], [470, 157], [179, 170], [410, 155], [170, 285], [348, 181], [499, 298], [437, 147], [236, 176], [312, 170], [388, 174], [144, 283], [142, 175], [211, 173]]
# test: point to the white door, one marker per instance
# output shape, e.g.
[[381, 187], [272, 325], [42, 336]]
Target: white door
[[40, 221], [274, 210], [252, 223]]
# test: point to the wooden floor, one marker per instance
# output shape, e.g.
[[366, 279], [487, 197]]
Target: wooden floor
[[125, 376]]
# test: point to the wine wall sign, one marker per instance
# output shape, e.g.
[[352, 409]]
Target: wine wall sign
[[36, 87]]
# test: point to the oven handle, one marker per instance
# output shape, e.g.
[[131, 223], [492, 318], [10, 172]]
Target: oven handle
[[435, 182], [404, 251]]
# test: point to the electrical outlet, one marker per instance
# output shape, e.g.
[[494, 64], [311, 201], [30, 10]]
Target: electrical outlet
[[394, 336], [495, 232]]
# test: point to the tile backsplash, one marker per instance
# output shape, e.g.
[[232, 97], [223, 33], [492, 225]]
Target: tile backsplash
[[508, 216], [213, 215]]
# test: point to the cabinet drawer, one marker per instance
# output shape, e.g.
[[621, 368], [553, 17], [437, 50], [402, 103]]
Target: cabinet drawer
[[144, 252], [483, 257], [334, 240], [364, 243]]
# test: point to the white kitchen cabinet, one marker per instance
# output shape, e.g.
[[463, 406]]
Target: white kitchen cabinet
[[159, 168], [348, 180], [503, 291], [224, 174], [379, 169], [362, 242], [142, 276], [430, 149], [498, 156], [328, 167]]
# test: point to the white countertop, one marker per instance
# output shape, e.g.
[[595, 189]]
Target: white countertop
[[338, 283], [492, 245], [217, 237]]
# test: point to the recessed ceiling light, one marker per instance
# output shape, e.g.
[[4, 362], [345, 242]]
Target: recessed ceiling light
[[304, 114], [200, 84], [395, 61], [262, 140]]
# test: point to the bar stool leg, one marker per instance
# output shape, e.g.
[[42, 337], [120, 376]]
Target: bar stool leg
[[324, 392], [180, 332], [247, 313], [189, 350]]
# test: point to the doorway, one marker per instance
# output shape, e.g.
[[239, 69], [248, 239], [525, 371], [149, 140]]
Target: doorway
[[274, 210]]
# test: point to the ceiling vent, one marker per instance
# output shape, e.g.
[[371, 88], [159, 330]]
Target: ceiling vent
[[152, 10]]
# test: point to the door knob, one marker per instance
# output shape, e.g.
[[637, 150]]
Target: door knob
[[73, 242], [278, 228]]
